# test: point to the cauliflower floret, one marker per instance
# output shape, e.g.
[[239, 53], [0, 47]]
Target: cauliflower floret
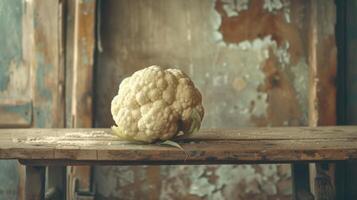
[[156, 104]]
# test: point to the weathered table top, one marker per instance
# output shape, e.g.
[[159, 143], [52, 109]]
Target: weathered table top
[[214, 146]]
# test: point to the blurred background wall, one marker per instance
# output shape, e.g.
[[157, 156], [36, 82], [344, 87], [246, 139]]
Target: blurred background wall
[[250, 59]]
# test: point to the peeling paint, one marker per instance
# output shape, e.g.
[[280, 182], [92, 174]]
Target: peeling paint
[[282, 52], [234, 7], [275, 5], [301, 85], [222, 182], [272, 5], [248, 57], [118, 181]]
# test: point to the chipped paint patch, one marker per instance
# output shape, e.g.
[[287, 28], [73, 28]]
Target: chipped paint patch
[[234, 7], [219, 182], [119, 182], [301, 84], [282, 52], [236, 64], [274, 6]]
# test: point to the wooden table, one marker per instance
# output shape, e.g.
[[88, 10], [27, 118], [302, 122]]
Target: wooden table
[[38, 148]]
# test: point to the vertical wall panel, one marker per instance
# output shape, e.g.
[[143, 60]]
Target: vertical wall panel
[[14, 77]]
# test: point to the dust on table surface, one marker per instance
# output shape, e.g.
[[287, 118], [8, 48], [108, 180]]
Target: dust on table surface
[[71, 139]]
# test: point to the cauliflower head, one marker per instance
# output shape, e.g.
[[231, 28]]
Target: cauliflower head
[[156, 104]]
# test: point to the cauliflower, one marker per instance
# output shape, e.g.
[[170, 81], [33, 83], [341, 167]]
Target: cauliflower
[[156, 104]]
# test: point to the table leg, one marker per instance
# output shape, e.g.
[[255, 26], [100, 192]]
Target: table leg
[[301, 182], [35, 182], [56, 182]]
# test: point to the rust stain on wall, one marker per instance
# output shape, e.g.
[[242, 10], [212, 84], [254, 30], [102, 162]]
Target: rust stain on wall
[[285, 67]]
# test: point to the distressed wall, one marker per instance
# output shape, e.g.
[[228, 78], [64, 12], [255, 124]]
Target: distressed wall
[[13, 82], [248, 58]]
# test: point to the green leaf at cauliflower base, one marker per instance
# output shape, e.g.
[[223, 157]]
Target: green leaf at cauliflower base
[[174, 144], [196, 122]]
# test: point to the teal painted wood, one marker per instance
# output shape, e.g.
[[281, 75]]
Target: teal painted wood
[[48, 65], [31, 43], [15, 97], [11, 87], [10, 40], [16, 115], [9, 179], [49, 73]]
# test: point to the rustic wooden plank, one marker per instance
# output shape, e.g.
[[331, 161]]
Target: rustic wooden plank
[[81, 84], [322, 72], [240, 149], [35, 182], [301, 175], [69, 23], [84, 40], [47, 68], [322, 97], [247, 133], [76, 163]]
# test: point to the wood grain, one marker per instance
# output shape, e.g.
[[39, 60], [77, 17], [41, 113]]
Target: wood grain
[[322, 91], [83, 53], [81, 48], [248, 145]]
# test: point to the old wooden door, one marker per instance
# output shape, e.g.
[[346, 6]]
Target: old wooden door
[[15, 98], [31, 75]]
